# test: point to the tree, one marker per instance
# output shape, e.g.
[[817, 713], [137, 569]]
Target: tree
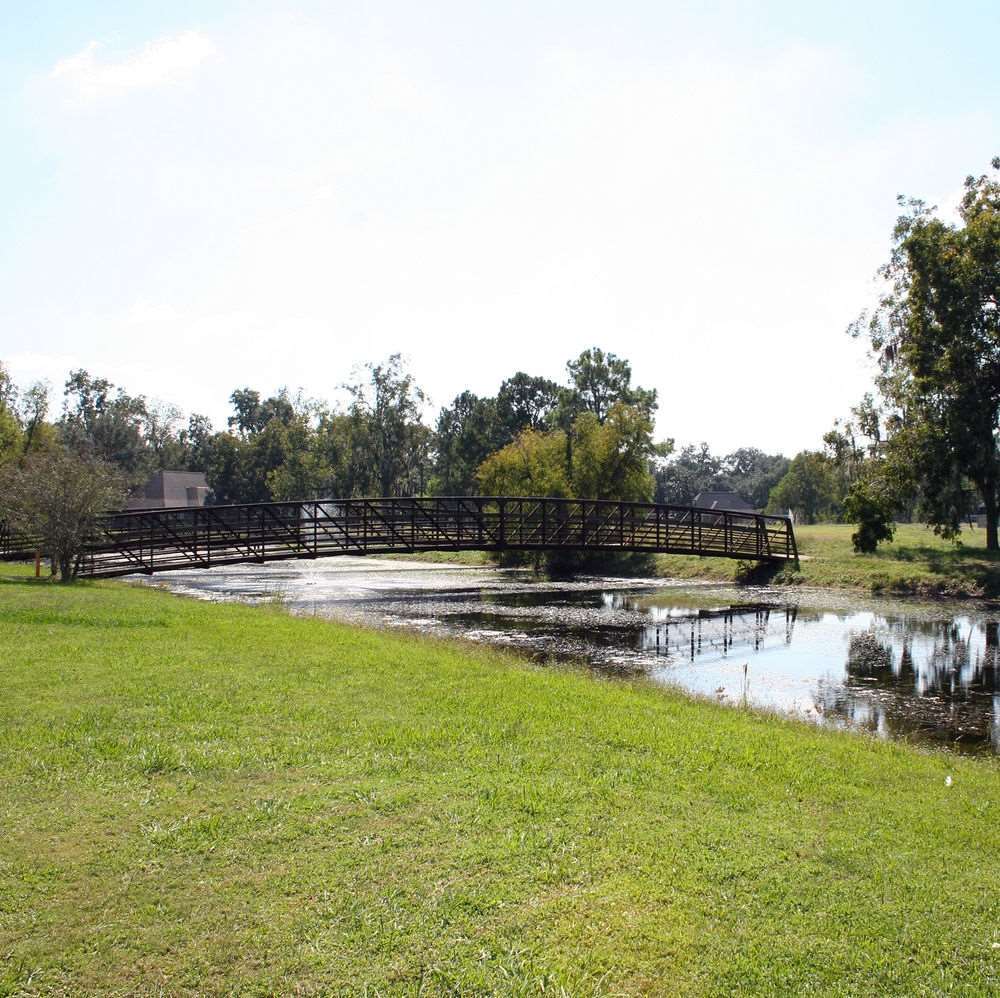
[[473, 427], [22, 418], [33, 408], [524, 402], [871, 505], [106, 424], [162, 437], [532, 465], [467, 432], [196, 442], [57, 497], [386, 408], [694, 469], [936, 333], [809, 488], [599, 380], [752, 474], [612, 460], [252, 415]]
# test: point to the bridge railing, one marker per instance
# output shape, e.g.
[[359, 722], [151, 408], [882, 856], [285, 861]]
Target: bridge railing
[[199, 537]]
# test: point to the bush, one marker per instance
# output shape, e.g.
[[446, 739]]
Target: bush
[[869, 505], [56, 497]]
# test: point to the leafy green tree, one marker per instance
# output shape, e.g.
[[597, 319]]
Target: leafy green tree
[[467, 432], [600, 380], [106, 424], [612, 459], [531, 465], [386, 409], [524, 402], [936, 333], [57, 497], [808, 488], [752, 474], [10, 427], [195, 441], [692, 470], [23, 428], [166, 446], [473, 427], [872, 505], [33, 409], [251, 414], [303, 473], [225, 469]]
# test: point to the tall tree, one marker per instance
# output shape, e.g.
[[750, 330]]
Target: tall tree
[[612, 459], [387, 407], [752, 474], [692, 470], [808, 488], [467, 432], [106, 424], [599, 380], [33, 409], [524, 402], [936, 333], [10, 428]]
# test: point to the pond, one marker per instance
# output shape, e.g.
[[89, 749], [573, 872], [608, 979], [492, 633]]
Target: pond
[[896, 669]]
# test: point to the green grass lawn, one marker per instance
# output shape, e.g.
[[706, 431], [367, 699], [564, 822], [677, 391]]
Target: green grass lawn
[[203, 798], [917, 562], [470, 559]]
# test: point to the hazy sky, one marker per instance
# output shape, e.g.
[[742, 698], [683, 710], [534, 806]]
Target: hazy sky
[[200, 196]]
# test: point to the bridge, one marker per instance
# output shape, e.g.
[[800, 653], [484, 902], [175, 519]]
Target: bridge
[[159, 540]]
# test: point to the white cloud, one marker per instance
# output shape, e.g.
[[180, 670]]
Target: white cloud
[[162, 62]]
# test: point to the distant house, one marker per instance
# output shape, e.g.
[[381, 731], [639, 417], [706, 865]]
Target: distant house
[[169, 489], [722, 500]]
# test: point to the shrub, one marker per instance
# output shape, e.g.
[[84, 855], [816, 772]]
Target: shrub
[[869, 505]]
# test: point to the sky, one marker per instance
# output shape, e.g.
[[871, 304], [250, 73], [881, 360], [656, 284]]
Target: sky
[[203, 196]]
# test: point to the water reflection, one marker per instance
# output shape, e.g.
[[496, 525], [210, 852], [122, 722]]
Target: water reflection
[[910, 672], [935, 680]]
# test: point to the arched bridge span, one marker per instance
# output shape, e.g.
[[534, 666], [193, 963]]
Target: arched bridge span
[[158, 540]]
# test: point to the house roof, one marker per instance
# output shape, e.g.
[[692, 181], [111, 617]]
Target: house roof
[[169, 488], [721, 500]]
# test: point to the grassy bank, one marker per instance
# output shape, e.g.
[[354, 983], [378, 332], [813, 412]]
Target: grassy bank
[[917, 562], [208, 798]]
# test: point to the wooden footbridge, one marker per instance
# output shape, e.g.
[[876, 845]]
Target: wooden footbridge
[[159, 540]]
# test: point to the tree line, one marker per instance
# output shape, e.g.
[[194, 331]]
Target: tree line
[[590, 436], [922, 444]]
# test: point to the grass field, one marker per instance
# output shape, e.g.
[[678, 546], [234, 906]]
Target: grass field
[[917, 562], [202, 798]]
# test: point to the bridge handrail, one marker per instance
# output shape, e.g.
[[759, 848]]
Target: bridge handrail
[[481, 499], [132, 540]]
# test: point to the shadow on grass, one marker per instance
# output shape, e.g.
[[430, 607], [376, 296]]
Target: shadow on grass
[[972, 567], [26, 579]]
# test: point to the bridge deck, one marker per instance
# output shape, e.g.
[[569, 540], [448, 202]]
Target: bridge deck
[[160, 540]]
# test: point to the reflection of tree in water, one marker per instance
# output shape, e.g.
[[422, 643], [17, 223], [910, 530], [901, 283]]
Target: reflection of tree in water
[[920, 678]]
